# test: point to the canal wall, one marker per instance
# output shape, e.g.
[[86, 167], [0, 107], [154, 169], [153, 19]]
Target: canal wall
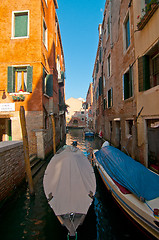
[[12, 168]]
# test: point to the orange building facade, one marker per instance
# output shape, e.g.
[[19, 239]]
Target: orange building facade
[[32, 72]]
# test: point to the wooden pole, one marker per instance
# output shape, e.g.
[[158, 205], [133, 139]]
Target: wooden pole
[[26, 149], [54, 133]]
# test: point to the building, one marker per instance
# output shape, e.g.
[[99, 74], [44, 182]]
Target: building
[[89, 106], [76, 116], [32, 72], [114, 95], [126, 79], [146, 34]]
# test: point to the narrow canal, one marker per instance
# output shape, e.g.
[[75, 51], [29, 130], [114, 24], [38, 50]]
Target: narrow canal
[[31, 218]]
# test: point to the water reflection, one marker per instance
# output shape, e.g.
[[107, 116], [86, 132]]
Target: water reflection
[[31, 218]]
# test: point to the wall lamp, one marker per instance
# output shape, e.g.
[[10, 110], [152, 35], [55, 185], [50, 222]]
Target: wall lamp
[[4, 94]]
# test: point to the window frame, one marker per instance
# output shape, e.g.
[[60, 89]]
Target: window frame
[[130, 81], [126, 45], [45, 34], [110, 101], [109, 66], [12, 81], [13, 24]]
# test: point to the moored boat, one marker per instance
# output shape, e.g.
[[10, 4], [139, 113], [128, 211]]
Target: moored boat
[[134, 187], [69, 185], [88, 133]]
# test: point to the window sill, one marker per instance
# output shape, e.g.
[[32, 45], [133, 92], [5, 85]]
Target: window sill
[[46, 95], [25, 37], [17, 93]]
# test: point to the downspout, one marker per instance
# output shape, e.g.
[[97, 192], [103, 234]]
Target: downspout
[[110, 18]]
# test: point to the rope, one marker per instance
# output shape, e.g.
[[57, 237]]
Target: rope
[[149, 206]]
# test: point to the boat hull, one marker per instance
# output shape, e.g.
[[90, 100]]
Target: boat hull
[[71, 222], [136, 209]]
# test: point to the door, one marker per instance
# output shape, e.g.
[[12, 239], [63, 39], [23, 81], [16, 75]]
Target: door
[[2, 129]]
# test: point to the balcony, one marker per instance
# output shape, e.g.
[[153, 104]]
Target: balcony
[[149, 11]]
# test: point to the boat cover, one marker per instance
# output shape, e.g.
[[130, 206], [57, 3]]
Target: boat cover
[[69, 179], [129, 173]]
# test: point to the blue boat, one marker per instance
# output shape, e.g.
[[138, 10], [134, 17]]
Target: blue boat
[[134, 187], [88, 133]]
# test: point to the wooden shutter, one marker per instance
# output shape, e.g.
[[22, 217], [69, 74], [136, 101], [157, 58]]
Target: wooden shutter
[[140, 74], [29, 78], [146, 72], [11, 80], [43, 80], [100, 86], [49, 85], [21, 25]]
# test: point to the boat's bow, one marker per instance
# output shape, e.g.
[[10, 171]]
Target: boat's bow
[[69, 185]]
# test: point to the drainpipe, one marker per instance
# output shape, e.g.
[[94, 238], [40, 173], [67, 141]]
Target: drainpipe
[[110, 17]]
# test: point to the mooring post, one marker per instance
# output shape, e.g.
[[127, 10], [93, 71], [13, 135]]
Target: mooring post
[[26, 149], [54, 133]]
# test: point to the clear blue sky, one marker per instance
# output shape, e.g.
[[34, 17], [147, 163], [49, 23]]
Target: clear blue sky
[[79, 20]]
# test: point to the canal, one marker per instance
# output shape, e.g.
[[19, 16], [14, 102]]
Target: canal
[[31, 218]]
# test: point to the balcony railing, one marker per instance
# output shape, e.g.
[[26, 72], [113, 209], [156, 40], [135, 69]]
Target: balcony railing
[[149, 11]]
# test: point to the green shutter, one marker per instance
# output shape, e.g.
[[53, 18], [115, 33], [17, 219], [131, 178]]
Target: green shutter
[[21, 25], [146, 72], [140, 74], [29, 78], [100, 86], [43, 80], [11, 80], [49, 85]]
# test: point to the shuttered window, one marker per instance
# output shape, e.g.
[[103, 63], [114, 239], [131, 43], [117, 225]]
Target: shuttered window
[[110, 98], [47, 83], [144, 73], [100, 86], [19, 78], [20, 24]]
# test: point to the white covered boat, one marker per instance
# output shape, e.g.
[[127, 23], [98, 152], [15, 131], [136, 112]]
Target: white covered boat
[[69, 185], [134, 187]]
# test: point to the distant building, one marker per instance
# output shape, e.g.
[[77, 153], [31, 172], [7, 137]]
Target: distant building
[[76, 115], [89, 106], [32, 73]]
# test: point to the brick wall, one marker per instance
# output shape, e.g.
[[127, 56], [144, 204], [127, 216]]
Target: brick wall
[[12, 167]]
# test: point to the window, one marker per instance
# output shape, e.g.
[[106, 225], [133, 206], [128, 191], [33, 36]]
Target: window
[[127, 32], [109, 66], [110, 98], [108, 28], [47, 83], [20, 24], [20, 78], [148, 72], [129, 124], [127, 84], [155, 78], [45, 41]]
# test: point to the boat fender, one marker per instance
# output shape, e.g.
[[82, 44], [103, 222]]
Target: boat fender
[[91, 194], [156, 213], [50, 197]]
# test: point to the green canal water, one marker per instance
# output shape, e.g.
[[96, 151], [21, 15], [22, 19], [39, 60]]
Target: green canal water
[[31, 218]]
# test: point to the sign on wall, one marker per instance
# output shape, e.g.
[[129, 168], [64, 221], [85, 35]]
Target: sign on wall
[[7, 107]]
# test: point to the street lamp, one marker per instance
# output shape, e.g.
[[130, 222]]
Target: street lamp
[[4, 94]]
